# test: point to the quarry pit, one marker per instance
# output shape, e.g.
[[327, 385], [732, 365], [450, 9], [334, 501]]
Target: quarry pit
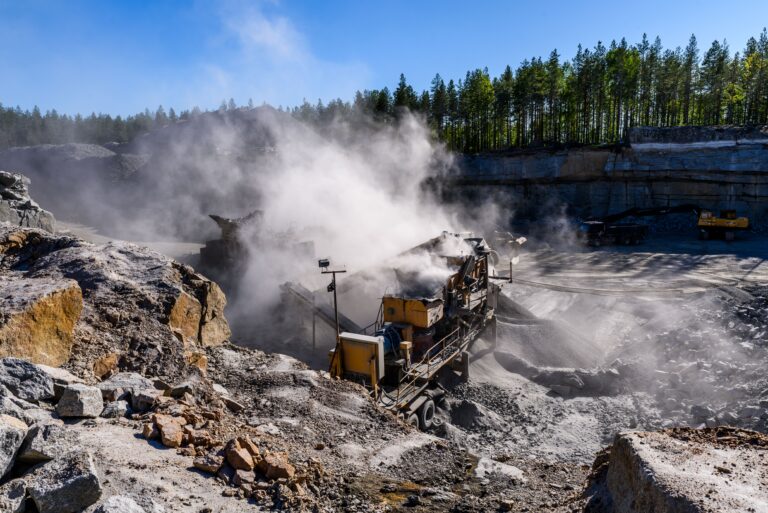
[[594, 347]]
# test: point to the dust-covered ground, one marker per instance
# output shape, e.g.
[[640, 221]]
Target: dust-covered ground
[[670, 333]]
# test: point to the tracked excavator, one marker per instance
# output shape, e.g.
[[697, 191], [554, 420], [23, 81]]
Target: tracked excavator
[[611, 230], [418, 334]]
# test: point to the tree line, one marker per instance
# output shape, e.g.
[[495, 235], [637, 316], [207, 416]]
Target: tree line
[[591, 99]]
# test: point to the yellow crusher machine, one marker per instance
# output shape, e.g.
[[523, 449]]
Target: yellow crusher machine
[[415, 337]]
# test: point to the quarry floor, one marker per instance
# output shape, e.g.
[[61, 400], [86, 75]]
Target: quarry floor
[[684, 323]]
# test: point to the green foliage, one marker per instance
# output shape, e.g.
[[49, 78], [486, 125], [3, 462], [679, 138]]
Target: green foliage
[[591, 99]]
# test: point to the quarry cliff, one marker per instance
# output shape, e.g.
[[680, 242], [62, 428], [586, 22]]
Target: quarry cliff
[[715, 167]]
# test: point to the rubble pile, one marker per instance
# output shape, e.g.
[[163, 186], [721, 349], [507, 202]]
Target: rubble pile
[[705, 367]]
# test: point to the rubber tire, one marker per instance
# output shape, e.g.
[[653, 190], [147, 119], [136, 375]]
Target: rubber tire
[[730, 236], [413, 420], [426, 414]]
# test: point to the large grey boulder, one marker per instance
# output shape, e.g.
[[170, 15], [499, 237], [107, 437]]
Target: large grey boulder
[[12, 496], [25, 380], [65, 485], [124, 383], [120, 504], [80, 401], [61, 379], [45, 442], [12, 433]]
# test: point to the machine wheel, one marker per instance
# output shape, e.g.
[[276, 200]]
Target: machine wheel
[[729, 236], [426, 414], [704, 234], [413, 420]]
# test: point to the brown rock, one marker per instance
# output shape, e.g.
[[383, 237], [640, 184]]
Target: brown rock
[[184, 318], [199, 360], [247, 444], [39, 317], [211, 462], [214, 329], [171, 429], [105, 366], [276, 466], [197, 436], [149, 431], [239, 457]]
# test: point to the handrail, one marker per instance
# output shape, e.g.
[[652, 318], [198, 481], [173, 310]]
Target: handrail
[[453, 345]]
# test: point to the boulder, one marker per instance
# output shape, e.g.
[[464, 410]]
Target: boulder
[[65, 485], [214, 329], [80, 401], [12, 433], [123, 383], [45, 442], [686, 470], [25, 380], [276, 466], [119, 504], [116, 410], [39, 317], [12, 496], [243, 477], [210, 462], [61, 379], [171, 429], [143, 400], [238, 456]]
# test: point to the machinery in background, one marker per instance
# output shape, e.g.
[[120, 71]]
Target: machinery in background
[[611, 230], [418, 334], [725, 226]]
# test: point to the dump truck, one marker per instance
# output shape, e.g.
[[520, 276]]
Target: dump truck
[[418, 335], [611, 229]]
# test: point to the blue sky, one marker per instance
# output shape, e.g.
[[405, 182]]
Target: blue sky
[[120, 57]]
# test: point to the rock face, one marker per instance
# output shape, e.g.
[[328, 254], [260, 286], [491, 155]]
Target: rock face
[[108, 301], [65, 485], [717, 168], [685, 471], [17, 208]]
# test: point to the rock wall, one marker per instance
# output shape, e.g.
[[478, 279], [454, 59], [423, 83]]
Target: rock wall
[[716, 169]]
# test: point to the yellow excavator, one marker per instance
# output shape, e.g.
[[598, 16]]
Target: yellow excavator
[[419, 334], [725, 226]]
